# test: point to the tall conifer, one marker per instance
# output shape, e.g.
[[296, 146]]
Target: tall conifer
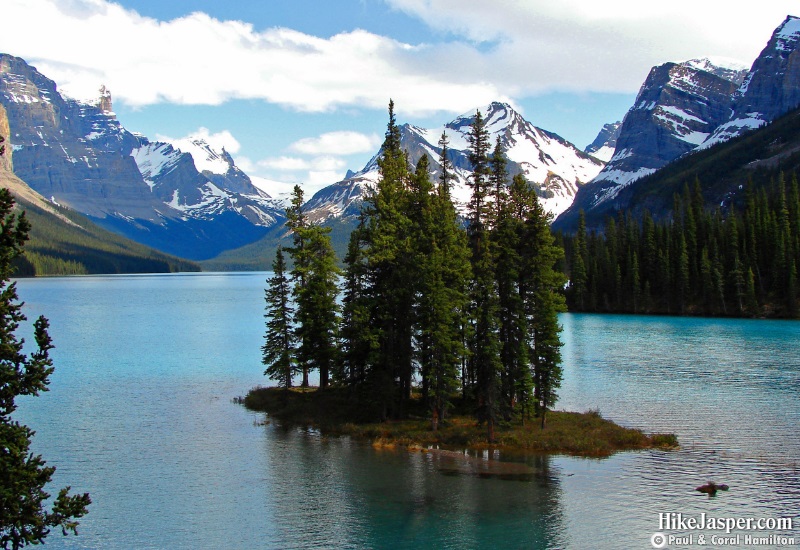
[[278, 350], [485, 344]]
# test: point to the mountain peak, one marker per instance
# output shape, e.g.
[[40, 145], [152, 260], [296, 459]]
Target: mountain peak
[[603, 146], [789, 29], [724, 67], [553, 166], [499, 117]]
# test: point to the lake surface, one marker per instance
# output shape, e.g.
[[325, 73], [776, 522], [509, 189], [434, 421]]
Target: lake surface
[[140, 416]]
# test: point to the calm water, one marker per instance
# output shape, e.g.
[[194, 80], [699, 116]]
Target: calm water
[[140, 415]]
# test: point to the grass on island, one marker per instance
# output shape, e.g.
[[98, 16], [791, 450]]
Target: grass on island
[[335, 411]]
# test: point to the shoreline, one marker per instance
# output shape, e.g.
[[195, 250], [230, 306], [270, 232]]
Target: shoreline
[[332, 411]]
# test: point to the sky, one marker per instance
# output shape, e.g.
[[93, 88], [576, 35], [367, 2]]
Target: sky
[[297, 90]]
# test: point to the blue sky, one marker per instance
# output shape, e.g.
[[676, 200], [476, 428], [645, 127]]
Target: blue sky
[[297, 90]]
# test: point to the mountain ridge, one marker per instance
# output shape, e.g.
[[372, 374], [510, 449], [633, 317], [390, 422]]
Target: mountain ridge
[[78, 155]]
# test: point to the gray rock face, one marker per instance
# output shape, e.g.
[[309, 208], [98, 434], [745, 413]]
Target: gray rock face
[[73, 153], [677, 109], [773, 85], [6, 151], [80, 156]]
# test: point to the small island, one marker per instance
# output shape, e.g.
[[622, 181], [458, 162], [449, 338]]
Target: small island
[[442, 329], [334, 412]]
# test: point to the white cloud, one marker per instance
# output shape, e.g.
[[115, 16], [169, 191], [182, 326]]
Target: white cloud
[[317, 179], [598, 46], [337, 143], [505, 49], [314, 173], [197, 59], [284, 164], [328, 164], [274, 188]]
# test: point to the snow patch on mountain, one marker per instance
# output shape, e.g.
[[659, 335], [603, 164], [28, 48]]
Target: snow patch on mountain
[[732, 129], [205, 158], [154, 159], [604, 145]]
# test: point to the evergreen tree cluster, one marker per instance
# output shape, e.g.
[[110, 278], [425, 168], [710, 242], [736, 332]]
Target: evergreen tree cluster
[[426, 305], [743, 262]]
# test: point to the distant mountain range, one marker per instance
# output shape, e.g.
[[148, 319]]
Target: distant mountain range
[[727, 172], [187, 199]]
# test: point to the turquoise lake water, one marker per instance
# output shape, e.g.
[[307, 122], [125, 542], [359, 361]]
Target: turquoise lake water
[[140, 416]]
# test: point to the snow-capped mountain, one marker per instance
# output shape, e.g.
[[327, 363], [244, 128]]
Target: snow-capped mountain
[[677, 109], [602, 148], [193, 203], [693, 105], [201, 183], [771, 88], [554, 166]]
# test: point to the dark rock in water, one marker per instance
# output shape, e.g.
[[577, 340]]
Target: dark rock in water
[[711, 488]]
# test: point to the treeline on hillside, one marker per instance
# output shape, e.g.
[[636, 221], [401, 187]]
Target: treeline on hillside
[[426, 305], [57, 247], [743, 262]]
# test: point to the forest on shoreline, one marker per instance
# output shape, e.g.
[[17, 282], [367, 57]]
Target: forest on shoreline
[[741, 262]]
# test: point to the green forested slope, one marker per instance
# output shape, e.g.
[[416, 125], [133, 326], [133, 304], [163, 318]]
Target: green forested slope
[[58, 247]]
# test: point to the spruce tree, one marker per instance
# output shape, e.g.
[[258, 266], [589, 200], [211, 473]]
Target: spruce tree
[[314, 275], [391, 279], [578, 288], [317, 309], [25, 518], [484, 344], [543, 301], [446, 164], [441, 257], [498, 177], [358, 340], [298, 224], [511, 279], [278, 350]]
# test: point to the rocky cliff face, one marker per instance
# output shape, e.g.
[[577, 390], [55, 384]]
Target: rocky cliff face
[[21, 190], [555, 167], [80, 156], [770, 89], [172, 175], [6, 150], [692, 106], [677, 109], [73, 153]]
